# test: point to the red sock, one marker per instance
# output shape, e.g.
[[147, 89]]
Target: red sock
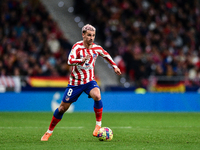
[[98, 113], [53, 123]]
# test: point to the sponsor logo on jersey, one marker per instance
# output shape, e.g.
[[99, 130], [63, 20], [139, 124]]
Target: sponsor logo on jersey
[[86, 67]]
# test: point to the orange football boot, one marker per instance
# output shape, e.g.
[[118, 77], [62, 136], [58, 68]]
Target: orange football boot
[[46, 136], [97, 127]]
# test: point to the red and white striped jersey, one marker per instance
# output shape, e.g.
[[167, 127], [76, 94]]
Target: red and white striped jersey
[[83, 73]]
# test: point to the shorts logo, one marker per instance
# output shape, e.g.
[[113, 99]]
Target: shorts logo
[[67, 98]]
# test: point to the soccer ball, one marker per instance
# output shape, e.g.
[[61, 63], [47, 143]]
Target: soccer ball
[[105, 134]]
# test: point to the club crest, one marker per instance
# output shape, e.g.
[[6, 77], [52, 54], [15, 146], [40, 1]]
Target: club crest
[[67, 98]]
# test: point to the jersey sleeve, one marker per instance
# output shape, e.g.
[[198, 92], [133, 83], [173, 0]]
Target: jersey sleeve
[[107, 57], [72, 59]]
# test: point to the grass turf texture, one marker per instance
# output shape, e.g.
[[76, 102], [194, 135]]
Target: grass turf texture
[[148, 131]]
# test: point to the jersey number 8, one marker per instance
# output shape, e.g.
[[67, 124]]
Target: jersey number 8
[[69, 93]]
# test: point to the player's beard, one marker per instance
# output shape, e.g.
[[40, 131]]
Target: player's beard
[[90, 42]]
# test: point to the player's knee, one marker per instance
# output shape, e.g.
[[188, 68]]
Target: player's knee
[[97, 97], [62, 109]]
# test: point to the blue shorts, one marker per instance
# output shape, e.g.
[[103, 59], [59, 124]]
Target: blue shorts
[[72, 93]]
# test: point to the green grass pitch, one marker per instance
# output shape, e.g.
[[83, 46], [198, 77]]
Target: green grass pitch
[[132, 131]]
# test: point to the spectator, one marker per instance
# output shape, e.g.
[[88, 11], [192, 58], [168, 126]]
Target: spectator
[[53, 43]]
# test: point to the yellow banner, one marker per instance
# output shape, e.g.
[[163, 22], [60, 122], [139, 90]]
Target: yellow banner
[[51, 81], [48, 82]]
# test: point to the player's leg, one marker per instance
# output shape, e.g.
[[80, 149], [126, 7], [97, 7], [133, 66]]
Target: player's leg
[[71, 95], [57, 116], [93, 90], [98, 108]]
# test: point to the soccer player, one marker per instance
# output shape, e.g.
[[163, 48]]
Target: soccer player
[[82, 59]]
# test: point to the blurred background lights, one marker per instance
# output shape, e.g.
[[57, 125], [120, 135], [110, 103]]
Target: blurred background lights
[[71, 9], [77, 19], [126, 84], [81, 24], [123, 80], [61, 4]]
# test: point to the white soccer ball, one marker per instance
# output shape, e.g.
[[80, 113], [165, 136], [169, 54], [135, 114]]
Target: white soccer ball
[[105, 134]]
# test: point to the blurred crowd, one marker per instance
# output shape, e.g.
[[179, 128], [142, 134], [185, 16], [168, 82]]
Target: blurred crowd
[[31, 43], [157, 37]]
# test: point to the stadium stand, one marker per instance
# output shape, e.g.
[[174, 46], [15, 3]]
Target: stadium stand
[[31, 42], [146, 38], [159, 38]]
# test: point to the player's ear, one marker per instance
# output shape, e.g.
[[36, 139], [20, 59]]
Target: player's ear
[[83, 34]]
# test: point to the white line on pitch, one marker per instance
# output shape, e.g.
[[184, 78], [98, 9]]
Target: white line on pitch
[[121, 127], [62, 127], [41, 127], [70, 127]]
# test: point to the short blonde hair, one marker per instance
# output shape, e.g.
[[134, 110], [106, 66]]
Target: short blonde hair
[[88, 27]]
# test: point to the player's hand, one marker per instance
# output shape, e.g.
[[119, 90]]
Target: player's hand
[[117, 71], [86, 58]]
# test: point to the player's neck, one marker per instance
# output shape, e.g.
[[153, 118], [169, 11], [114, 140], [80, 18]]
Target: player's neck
[[88, 46]]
